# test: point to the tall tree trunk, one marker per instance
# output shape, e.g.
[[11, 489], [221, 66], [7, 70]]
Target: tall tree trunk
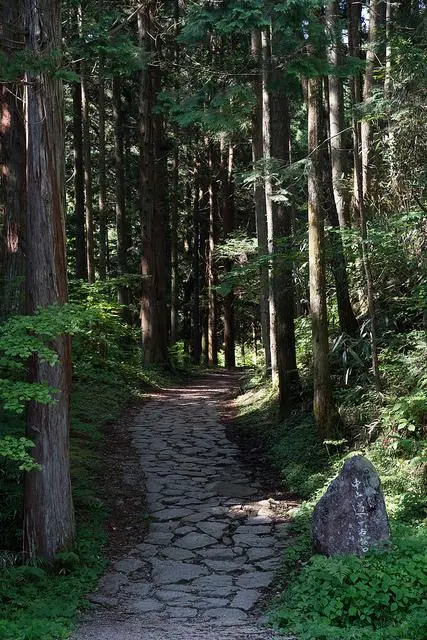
[[372, 58], [268, 190], [283, 269], [324, 409], [259, 199], [87, 162], [12, 186], [196, 334], [211, 274], [121, 222], [48, 509], [102, 196], [227, 188], [174, 246], [359, 203], [79, 185], [154, 224], [336, 115]]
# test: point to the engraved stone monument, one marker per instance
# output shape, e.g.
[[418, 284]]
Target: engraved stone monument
[[351, 517]]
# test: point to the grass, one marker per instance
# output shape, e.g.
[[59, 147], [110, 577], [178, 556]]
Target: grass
[[380, 596]]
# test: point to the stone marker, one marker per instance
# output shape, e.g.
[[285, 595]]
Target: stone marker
[[351, 517]]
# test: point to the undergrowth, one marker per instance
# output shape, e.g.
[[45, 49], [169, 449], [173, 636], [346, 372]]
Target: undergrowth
[[382, 595], [40, 601]]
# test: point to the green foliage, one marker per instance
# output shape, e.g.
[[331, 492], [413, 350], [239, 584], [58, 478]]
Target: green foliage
[[16, 449], [381, 595]]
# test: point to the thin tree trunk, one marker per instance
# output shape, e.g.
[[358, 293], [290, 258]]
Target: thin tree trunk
[[79, 185], [283, 269], [102, 196], [259, 199], [366, 128], [48, 509], [336, 116], [228, 226], [87, 162], [210, 262], [359, 205], [121, 223], [174, 247], [324, 409], [196, 335], [266, 134]]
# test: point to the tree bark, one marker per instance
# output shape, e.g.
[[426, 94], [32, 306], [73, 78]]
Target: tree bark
[[154, 224], [336, 116], [79, 186], [48, 509], [102, 196], [324, 409], [121, 221], [211, 274], [12, 188], [284, 293], [228, 226], [259, 199], [268, 191], [196, 334], [87, 162]]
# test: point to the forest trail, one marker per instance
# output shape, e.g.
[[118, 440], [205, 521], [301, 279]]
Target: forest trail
[[214, 540]]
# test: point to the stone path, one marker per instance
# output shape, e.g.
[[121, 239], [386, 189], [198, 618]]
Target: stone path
[[214, 541]]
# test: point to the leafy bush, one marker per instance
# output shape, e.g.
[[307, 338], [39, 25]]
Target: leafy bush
[[381, 595]]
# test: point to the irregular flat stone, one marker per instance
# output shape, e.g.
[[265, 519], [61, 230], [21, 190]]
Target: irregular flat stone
[[255, 579], [225, 616], [145, 550], [217, 553], [182, 612], [144, 606], [128, 565], [105, 601], [253, 529], [170, 571], [260, 553], [245, 599], [172, 514], [225, 566], [176, 553], [251, 540], [213, 582], [112, 582], [159, 538], [195, 541], [215, 529], [141, 589]]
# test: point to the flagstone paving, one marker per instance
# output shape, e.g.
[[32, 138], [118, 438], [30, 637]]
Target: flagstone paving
[[214, 540]]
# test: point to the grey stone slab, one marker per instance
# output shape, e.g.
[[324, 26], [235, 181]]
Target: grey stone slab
[[141, 589], [176, 553], [182, 612], [195, 541], [171, 571], [143, 606], [251, 540], [172, 514], [269, 565], [215, 581], [245, 599], [215, 529], [225, 616], [105, 601], [145, 550], [260, 553], [159, 538], [255, 579], [217, 553], [111, 583], [225, 566], [253, 529]]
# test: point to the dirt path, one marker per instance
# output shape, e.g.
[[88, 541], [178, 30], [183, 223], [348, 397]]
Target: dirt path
[[214, 540]]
